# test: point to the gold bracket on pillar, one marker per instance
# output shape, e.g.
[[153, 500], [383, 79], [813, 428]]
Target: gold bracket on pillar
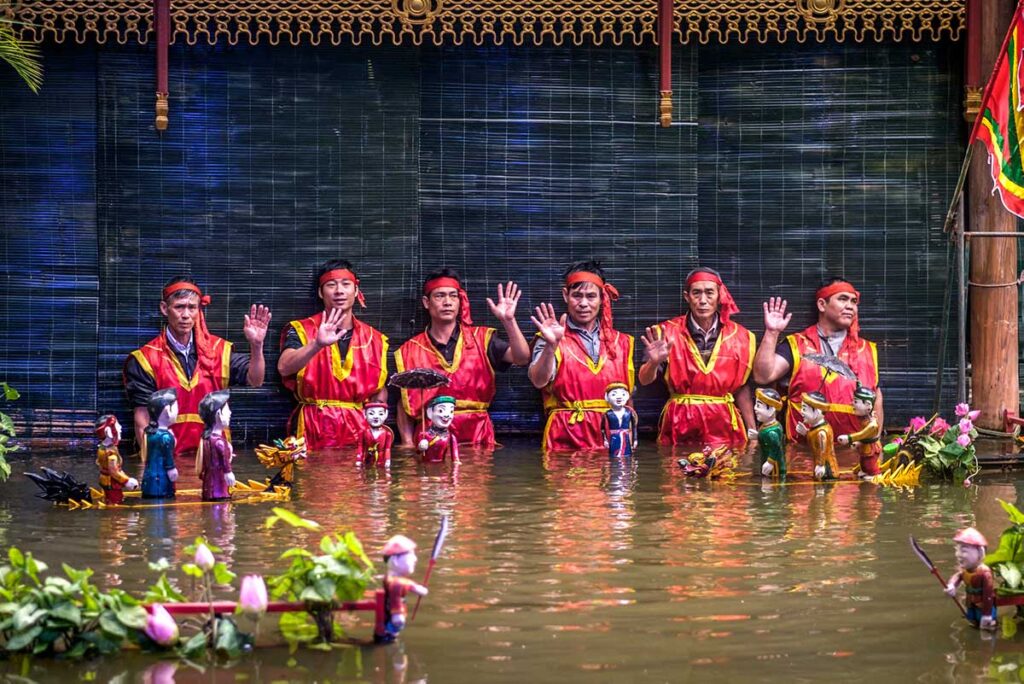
[[162, 109], [665, 107], [972, 103]]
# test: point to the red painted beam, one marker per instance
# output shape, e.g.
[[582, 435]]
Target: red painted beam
[[370, 603]]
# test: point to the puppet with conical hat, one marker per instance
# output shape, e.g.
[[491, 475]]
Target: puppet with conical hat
[[819, 435], [867, 440], [976, 577], [400, 558], [771, 438]]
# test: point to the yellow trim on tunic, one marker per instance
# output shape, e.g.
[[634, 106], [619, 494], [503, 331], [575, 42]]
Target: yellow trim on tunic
[[461, 405], [144, 363]]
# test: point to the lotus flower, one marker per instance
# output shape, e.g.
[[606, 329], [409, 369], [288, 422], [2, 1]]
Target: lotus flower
[[252, 598], [160, 626], [967, 482], [940, 425], [966, 425], [962, 410], [964, 440], [916, 423], [204, 558]]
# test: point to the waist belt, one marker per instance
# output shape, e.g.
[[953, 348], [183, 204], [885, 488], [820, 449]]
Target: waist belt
[[832, 408], [579, 408], [332, 403], [467, 406], [705, 399]]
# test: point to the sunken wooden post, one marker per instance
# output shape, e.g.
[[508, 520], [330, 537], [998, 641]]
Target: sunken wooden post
[[993, 310]]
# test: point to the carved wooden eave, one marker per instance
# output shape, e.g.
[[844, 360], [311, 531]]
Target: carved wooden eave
[[517, 22]]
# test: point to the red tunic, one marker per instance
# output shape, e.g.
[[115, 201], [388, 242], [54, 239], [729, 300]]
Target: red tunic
[[439, 446], [472, 382], [861, 356], [701, 407], [159, 361], [395, 589], [331, 389], [574, 400], [376, 449]]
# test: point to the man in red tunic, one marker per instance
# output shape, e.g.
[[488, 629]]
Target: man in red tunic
[[469, 355], [706, 359], [333, 362], [188, 358], [576, 357], [836, 333]]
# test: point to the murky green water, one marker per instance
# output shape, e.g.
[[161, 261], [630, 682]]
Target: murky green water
[[571, 568]]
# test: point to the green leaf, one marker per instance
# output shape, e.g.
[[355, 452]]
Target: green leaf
[[10, 394], [1011, 574], [1015, 515], [133, 617], [112, 626], [221, 574], [16, 556], [292, 519], [296, 552], [1010, 549], [28, 615], [22, 640], [162, 565], [163, 592], [192, 570], [68, 612], [194, 647], [297, 627], [311, 595]]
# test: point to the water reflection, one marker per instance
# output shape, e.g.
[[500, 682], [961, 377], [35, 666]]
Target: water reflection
[[570, 564]]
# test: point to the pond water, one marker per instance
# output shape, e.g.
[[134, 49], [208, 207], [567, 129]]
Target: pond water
[[573, 568]]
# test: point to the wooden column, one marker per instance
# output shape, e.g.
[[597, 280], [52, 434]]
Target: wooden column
[[993, 310]]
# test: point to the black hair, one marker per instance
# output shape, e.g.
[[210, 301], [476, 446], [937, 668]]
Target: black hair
[[185, 278], [588, 265], [443, 272], [158, 401], [332, 265], [210, 405]]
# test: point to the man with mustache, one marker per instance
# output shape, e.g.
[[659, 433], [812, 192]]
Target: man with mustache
[[333, 362], [706, 358], [836, 333], [576, 357], [468, 354]]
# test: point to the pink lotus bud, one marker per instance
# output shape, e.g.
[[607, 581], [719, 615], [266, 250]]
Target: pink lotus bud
[[964, 440], [204, 558], [916, 423], [966, 425], [252, 597], [973, 415], [967, 482], [939, 425], [962, 410], [160, 626]]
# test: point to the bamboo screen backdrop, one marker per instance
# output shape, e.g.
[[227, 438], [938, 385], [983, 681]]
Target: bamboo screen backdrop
[[784, 164]]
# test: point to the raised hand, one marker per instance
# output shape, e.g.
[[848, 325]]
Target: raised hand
[[256, 323], [329, 331], [551, 328], [508, 299], [775, 317], [656, 344]]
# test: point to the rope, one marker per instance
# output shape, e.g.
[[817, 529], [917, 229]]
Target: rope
[[1014, 283]]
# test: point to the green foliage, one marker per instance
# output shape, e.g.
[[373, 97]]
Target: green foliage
[[286, 516], [46, 615], [941, 453], [1007, 561], [6, 426], [23, 58]]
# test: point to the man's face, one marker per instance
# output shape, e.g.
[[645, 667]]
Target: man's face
[[618, 397], [441, 415], [402, 564], [339, 293], [181, 314], [442, 304], [839, 310], [862, 407], [969, 557], [583, 302], [763, 412], [702, 298], [811, 415], [376, 416]]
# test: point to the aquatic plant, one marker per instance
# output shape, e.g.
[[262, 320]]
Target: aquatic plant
[[340, 573], [25, 59], [6, 432], [219, 635], [947, 450], [69, 615], [1007, 561]]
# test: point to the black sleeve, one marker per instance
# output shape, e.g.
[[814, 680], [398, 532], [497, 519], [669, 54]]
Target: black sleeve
[[239, 374], [785, 351], [496, 349], [291, 339], [138, 384]]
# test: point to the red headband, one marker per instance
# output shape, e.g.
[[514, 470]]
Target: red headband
[[834, 289], [202, 333], [465, 316], [610, 295], [374, 404], [344, 274], [102, 427], [726, 304]]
